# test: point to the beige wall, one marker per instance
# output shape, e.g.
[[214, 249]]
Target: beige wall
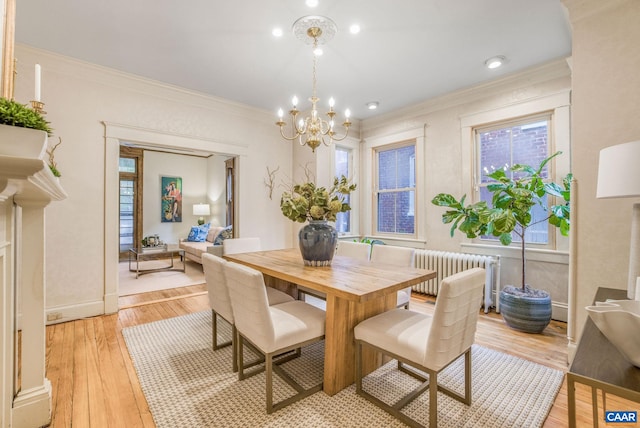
[[79, 97], [442, 130], [606, 107]]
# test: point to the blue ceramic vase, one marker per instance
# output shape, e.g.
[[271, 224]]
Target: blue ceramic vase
[[318, 241]]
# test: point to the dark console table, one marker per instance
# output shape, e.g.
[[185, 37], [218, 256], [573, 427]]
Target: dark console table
[[599, 364]]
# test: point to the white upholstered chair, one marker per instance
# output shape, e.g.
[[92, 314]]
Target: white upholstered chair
[[358, 250], [273, 330], [427, 343], [241, 245], [399, 256], [221, 303]]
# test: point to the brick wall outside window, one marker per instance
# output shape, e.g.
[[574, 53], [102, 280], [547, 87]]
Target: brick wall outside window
[[396, 190]]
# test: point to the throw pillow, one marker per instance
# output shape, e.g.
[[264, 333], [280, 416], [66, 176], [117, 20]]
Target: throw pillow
[[214, 231], [198, 233], [226, 233]]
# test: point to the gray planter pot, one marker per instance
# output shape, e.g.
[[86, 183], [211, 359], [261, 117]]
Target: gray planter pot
[[530, 314]]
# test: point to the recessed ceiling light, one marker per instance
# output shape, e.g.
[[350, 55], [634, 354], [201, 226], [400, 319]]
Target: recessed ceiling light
[[354, 29], [277, 32], [495, 62], [372, 105], [312, 3]]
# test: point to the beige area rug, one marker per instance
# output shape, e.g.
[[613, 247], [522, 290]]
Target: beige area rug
[[187, 384], [128, 284]]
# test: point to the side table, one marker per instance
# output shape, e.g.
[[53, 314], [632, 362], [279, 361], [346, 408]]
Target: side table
[[600, 365]]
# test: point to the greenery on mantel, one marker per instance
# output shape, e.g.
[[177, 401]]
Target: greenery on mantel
[[13, 113]]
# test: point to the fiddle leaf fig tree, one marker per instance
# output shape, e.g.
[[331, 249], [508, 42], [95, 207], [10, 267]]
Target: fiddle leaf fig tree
[[514, 197]]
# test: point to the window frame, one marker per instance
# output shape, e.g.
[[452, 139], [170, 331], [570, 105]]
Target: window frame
[[560, 105], [376, 188], [350, 175], [478, 173]]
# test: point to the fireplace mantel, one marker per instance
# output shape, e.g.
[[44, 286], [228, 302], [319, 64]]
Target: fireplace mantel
[[27, 186]]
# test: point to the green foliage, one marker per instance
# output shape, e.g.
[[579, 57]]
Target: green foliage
[[55, 171], [512, 201], [306, 201], [16, 114]]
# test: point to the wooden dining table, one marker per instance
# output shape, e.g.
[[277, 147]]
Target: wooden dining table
[[355, 290]]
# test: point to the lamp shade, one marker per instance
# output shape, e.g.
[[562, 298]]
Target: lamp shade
[[201, 209], [619, 171]]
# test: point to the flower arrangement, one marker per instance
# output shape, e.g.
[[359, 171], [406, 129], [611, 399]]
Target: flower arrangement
[[306, 201]]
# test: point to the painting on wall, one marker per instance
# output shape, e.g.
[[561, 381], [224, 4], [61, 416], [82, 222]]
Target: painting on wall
[[171, 189]]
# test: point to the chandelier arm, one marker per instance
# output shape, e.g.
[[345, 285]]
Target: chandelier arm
[[334, 138], [288, 138]]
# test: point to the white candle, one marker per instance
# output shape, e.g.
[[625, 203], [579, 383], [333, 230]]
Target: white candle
[[37, 94]]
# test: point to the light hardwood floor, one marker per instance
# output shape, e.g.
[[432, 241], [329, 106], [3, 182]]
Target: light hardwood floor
[[95, 385]]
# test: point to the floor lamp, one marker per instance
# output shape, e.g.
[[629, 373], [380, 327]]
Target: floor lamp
[[619, 177]]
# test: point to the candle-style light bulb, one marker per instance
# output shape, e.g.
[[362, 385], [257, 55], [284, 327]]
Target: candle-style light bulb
[[332, 102], [37, 83], [280, 113], [294, 101], [347, 113]]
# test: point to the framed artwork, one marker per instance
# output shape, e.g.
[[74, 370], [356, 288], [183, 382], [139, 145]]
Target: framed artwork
[[171, 194]]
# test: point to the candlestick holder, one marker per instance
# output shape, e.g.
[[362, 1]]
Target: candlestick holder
[[38, 107]]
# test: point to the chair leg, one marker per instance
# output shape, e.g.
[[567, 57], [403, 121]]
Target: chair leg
[[240, 357], [433, 400], [269, 380], [234, 347], [358, 366], [214, 333], [467, 378]]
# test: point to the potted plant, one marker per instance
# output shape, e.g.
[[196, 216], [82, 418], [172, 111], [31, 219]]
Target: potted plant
[[15, 116], [315, 205], [523, 308]]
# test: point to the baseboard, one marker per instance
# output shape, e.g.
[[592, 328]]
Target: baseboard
[[60, 314], [32, 408], [559, 311]]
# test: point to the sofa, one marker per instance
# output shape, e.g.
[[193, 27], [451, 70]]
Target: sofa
[[193, 249]]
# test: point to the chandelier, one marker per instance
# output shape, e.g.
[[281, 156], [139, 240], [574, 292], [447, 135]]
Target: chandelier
[[313, 129]]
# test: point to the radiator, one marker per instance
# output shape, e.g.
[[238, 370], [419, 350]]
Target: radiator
[[447, 263]]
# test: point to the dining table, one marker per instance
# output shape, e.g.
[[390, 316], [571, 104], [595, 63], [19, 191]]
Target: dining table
[[355, 290]]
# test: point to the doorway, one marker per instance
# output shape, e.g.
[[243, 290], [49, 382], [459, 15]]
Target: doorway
[[115, 135]]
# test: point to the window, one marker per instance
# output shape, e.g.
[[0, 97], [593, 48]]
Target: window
[[396, 189], [504, 145], [130, 196], [343, 166]]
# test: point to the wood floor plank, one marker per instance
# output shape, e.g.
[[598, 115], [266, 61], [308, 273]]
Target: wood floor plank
[[97, 402], [80, 397]]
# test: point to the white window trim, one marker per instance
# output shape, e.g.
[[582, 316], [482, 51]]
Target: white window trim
[[368, 163], [353, 197], [559, 134], [354, 146]]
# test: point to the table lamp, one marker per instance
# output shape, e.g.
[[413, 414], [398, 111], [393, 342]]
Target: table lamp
[[201, 210], [619, 177]]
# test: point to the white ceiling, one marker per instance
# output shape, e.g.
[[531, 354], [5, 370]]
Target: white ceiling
[[408, 50]]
